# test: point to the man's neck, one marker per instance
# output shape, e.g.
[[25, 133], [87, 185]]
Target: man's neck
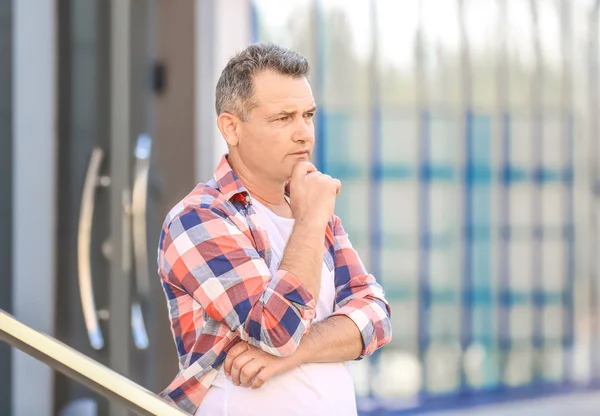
[[267, 192]]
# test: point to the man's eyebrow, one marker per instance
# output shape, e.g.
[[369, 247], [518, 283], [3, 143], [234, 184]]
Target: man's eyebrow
[[284, 113], [291, 113]]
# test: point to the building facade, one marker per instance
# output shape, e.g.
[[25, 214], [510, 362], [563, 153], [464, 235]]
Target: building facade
[[465, 133]]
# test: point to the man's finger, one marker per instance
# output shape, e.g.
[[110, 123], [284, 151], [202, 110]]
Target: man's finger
[[250, 370], [233, 353], [338, 186], [301, 169], [237, 366], [261, 378]]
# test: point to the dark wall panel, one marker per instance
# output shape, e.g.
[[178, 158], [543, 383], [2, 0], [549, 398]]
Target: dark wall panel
[[5, 193]]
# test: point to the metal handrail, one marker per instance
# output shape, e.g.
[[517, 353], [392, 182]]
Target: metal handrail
[[83, 369]]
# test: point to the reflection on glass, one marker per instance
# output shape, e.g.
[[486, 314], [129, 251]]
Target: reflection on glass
[[400, 384], [584, 116], [443, 195], [518, 369], [441, 50], [443, 362], [474, 360], [521, 54], [404, 302], [481, 19], [361, 376], [397, 25], [445, 316], [549, 27], [517, 356], [552, 364], [346, 43], [481, 366], [285, 23]]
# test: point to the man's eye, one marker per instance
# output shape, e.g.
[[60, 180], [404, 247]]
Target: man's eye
[[310, 115], [284, 118]]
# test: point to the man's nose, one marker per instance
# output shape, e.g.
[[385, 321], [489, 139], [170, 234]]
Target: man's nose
[[305, 131]]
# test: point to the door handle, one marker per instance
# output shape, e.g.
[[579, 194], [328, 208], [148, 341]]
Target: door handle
[[93, 180], [139, 204]]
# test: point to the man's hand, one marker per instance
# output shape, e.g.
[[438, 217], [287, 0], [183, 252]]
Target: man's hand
[[312, 198], [312, 195], [252, 367]]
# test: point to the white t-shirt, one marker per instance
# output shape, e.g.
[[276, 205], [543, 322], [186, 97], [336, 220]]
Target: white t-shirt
[[319, 389]]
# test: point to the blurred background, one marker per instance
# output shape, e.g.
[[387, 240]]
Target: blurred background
[[465, 133]]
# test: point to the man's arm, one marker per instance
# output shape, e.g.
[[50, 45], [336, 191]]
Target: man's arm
[[303, 255], [207, 257], [359, 296], [335, 339], [359, 326]]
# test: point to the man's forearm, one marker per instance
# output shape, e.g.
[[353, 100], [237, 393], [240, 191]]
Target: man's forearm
[[335, 339], [303, 256]]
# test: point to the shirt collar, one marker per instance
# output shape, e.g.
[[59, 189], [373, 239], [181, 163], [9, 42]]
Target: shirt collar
[[228, 183]]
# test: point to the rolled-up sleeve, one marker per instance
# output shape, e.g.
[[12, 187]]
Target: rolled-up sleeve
[[359, 296], [204, 254]]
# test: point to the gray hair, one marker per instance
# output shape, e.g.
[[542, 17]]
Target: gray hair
[[236, 88]]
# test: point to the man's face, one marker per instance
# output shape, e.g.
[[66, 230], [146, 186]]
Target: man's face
[[279, 132]]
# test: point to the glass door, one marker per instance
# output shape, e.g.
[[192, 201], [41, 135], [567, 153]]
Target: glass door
[[116, 110]]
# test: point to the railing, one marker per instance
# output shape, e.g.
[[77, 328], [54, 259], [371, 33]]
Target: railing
[[81, 368]]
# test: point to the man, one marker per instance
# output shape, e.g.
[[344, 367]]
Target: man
[[268, 300]]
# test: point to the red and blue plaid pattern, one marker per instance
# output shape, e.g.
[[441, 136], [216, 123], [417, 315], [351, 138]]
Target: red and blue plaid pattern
[[213, 261]]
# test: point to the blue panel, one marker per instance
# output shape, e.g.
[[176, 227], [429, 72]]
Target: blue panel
[[479, 150], [509, 173], [436, 172], [537, 336], [569, 236], [321, 142], [400, 171], [508, 176], [341, 170], [254, 23], [478, 317], [319, 88], [480, 263], [424, 246], [375, 232], [337, 131]]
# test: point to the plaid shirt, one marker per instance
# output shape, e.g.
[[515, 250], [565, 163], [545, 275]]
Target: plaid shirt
[[213, 262]]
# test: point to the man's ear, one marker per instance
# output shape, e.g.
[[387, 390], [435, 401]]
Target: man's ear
[[229, 126]]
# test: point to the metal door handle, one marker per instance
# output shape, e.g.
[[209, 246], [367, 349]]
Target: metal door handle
[[139, 205], [84, 244]]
